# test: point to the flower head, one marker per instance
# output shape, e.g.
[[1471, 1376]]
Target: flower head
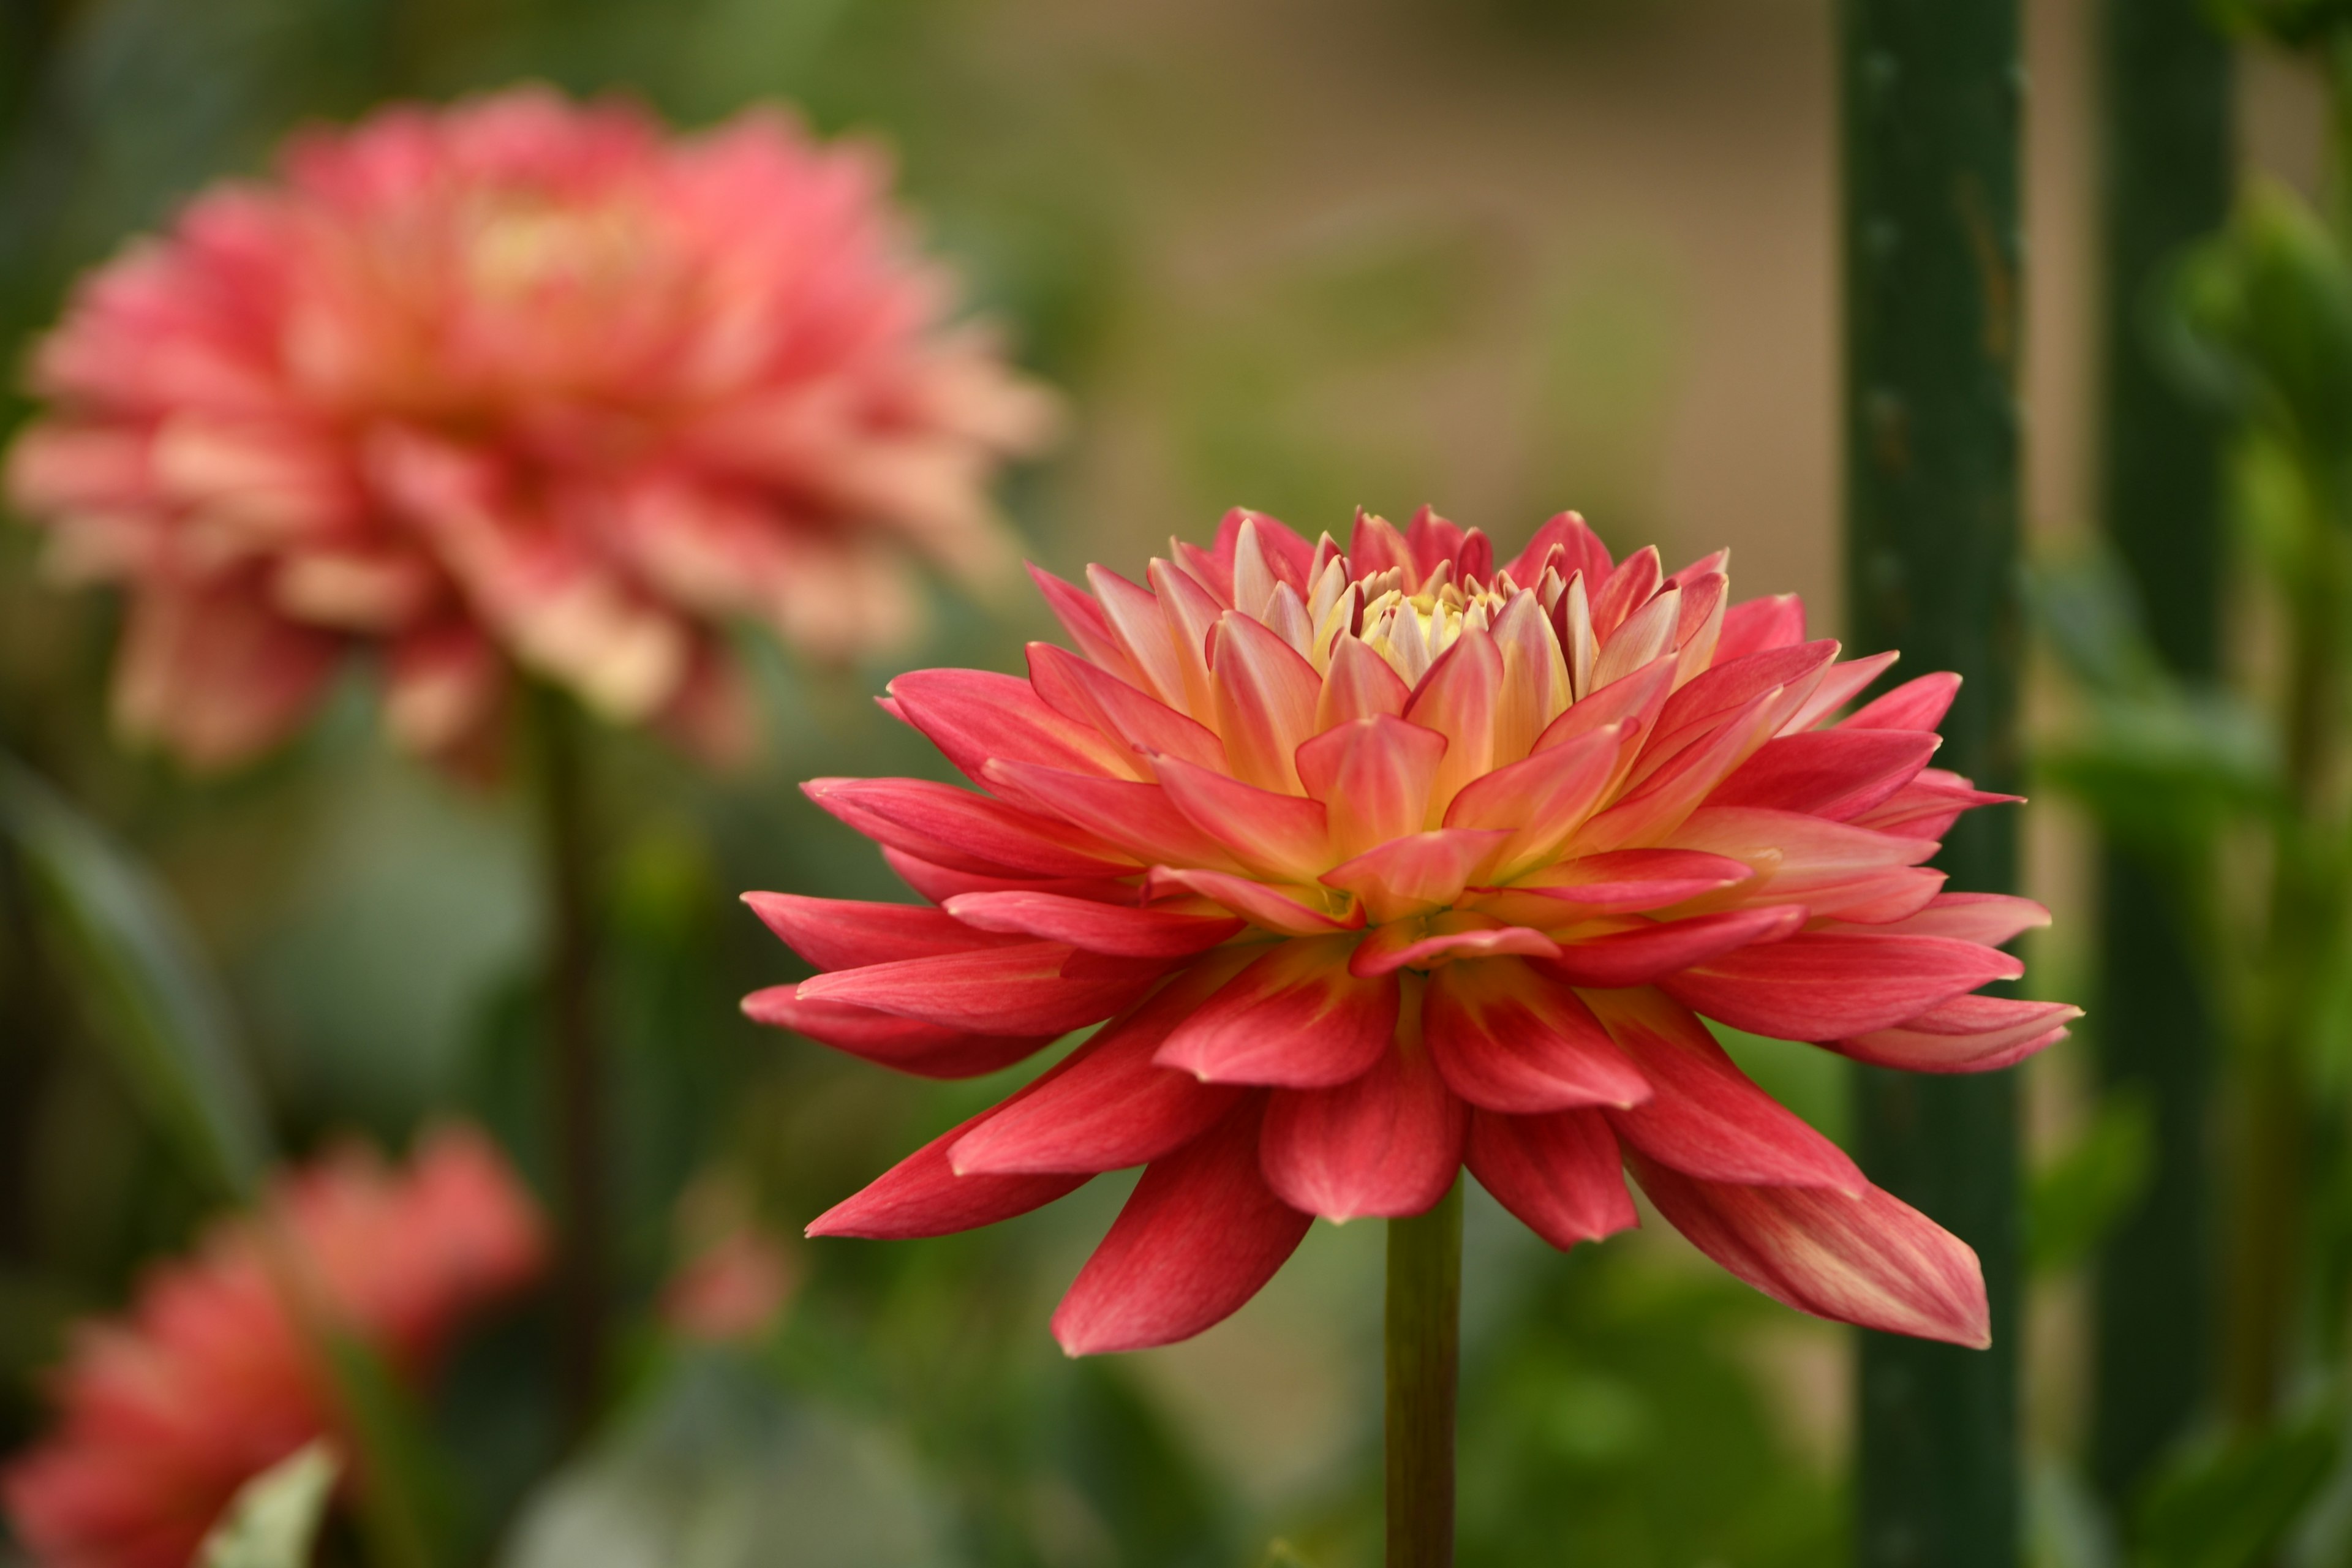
[[522, 384], [213, 1378], [1388, 861]]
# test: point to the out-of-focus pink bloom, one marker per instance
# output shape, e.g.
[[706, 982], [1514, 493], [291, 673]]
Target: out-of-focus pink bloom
[[514, 383], [736, 1277], [212, 1377], [1386, 862]]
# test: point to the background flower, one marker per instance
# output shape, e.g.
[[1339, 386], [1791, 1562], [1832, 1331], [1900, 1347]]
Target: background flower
[[516, 381], [1386, 862], [212, 1378]]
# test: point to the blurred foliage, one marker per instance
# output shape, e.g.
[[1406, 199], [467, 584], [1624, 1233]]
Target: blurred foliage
[[277, 1515]]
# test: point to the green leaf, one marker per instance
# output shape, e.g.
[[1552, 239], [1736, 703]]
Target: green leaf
[[149, 992], [2227, 1505], [274, 1519], [2076, 1197], [404, 1505]]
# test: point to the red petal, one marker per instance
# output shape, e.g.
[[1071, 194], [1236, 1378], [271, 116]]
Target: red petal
[[1360, 684], [1402, 945], [1135, 818], [1110, 1106], [971, 715], [1841, 683], [920, 1195], [1373, 777], [1280, 909], [1837, 773], [1265, 701], [1992, 919], [1071, 686], [1282, 836], [1558, 1174], [1918, 704], [1659, 804], [1033, 988], [1708, 1117], [1133, 617], [1865, 1258], [1928, 806], [1387, 1143], [966, 832], [1582, 548], [1123, 930], [844, 933], [1457, 698], [1643, 955], [1199, 1236], [1759, 624], [1084, 620], [1824, 985], [1416, 875], [939, 883], [1295, 1018], [1630, 880], [1507, 1039], [1733, 683], [905, 1045], [1630, 587], [1543, 798], [1967, 1034]]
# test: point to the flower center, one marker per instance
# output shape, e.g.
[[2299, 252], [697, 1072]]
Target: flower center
[[1412, 631]]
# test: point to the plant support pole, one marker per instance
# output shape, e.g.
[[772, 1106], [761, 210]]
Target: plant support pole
[[2165, 182], [1423, 1332], [1932, 93]]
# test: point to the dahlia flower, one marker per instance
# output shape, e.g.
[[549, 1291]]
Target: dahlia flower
[[213, 1378], [1388, 861], [513, 384]]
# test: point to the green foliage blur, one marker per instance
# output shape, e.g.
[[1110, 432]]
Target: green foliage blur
[[198, 977]]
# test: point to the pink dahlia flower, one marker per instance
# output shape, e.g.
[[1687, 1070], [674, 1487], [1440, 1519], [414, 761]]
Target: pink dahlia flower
[[522, 384], [1386, 862], [212, 1379]]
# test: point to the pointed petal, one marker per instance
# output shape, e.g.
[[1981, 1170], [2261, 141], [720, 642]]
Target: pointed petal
[[844, 933], [1084, 620], [1387, 1143], [1286, 837], [1635, 702], [1141, 722], [904, 1045], [1411, 944], [1993, 919], [963, 831], [1733, 683], [1759, 624], [1629, 588], [1918, 704], [1660, 804], [1841, 684], [1558, 1174], [1199, 1236], [1569, 532], [1542, 799], [1630, 880], [1928, 806], [1359, 685], [920, 1195], [1507, 1039], [1281, 909], [1122, 930], [1967, 1034], [1190, 613], [1033, 988], [1535, 689], [1646, 954], [1266, 695], [1133, 617], [1457, 698], [1834, 773], [1416, 875], [1829, 866], [939, 883], [1295, 1018], [1867, 1258], [1824, 985], [1111, 1107], [1646, 635], [1373, 777], [973, 715], [1132, 817], [1708, 1118]]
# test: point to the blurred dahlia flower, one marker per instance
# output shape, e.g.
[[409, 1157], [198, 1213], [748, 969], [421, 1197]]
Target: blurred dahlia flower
[[1386, 862], [213, 1379], [516, 382]]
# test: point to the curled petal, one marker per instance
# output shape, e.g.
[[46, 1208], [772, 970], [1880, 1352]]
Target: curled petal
[[1733, 684], [1967, 1034], [1080, 690], [1507, 1039], [1840, 684], [1386, 1144], [1266, 695], [1200, 1235], [1458, 698], [1131, 614], [1655, 948], [1918, 704], [1287, 909], [1295, 1018], [1558, 1174], [1031, 988], [906, 1045], [1862, 1258], [1119, 929], [844, 933], [1359, 685], [1543, 799], [1418, 874], [1707, 1116], [1372, 776], [1083, 618], [1415, 944], [1829, 986], [1928, 806]]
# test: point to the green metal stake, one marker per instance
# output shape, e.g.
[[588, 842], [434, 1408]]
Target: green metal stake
[[1932, 91], [2166, 181]]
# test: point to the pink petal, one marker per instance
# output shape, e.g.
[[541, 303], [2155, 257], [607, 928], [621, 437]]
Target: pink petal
[[1648, 952], [1918, 704], [1373, 777], [1837, 773], [1135, 818], [1283, 835], [1295, 1018], [1581, 549], [1360, 684], [955, 829], [1708, 1118], [1759, 624], [1558, 1174], [939, 883], [1457, 698], [1967, 1034], [1732, 684], [1544, 798], [1035, 988], [1072, 687], [1418, 874], [1993, 919], [1535, 689], [1387, 1143], [1664, 801], [1410, 944], [1822, 985], [1829, 866], [1084, 620], [1132, 615], [1841, 683], [1266, 702], [1199, 1236], [903, 1045], [1278, 909], [1376, 546], [1629, 588], [1189, 614], [1865, 1258], [1635, 702], [1928, 806], [1111, 1106], [1507, 1039], [1629, 881], [973, 715], [1124, 929], [843, 933], [921, 1195]]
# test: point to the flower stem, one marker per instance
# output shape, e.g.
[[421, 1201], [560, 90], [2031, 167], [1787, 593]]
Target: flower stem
[[575, 1079], [1423, 1362]]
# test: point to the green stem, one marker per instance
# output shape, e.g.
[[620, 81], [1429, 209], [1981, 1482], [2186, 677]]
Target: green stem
[[576, 1070], [1423, 1362]]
